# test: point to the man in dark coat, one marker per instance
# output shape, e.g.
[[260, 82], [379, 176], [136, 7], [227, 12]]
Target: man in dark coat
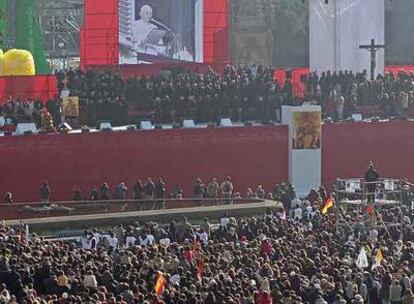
[[371, 176]]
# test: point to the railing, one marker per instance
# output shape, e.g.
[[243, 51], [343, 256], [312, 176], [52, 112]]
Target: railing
[[118, 201], [61, 208], [408, 183], [358, 188]]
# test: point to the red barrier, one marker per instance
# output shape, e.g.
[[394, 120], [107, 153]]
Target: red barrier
[[41, 87], [249, 155], [348, 147]]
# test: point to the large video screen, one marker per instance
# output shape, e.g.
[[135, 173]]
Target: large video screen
[[160, 30]]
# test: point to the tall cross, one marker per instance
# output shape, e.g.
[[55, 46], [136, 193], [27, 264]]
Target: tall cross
[[373, 48]]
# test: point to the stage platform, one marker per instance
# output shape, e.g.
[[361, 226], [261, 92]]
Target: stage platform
[[88, 221]]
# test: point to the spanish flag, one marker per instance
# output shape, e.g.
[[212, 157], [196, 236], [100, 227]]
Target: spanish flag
[[160, 284], [329, 203]]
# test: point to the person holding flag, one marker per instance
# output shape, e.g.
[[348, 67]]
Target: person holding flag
[[328, 204], [378, 259], [160, 284], [362, 260], [200, 267]]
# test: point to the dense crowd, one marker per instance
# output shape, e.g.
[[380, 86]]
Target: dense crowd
[[294, 254], [15, 111], [344, 93], [241, 93]]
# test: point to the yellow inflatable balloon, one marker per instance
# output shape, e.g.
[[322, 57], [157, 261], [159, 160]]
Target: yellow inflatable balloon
[[18, 63], [1, 62]]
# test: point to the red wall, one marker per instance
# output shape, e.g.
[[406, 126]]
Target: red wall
[[348, 147], [250, 155]]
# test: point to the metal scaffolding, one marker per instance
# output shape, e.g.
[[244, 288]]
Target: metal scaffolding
[[60, 23]]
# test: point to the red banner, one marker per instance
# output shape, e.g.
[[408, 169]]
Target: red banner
[[43, 87], [99, 36]]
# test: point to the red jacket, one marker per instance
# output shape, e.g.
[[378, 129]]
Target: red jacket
[[263, 298], [266, 247]]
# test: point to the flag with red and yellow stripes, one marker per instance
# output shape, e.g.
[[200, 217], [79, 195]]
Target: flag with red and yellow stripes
[[160, 284], [329, 203]]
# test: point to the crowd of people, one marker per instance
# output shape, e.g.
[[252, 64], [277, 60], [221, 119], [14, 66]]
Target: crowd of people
[[101, 94], [293, 254], [152, 194], [153, 191], [149, 190], [241, 93], [15, 111], [344, 93]]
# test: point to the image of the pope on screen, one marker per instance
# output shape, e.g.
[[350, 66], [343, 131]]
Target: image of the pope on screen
[[163, 29], [142, 28]]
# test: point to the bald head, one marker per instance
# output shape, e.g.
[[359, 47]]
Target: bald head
[[145, 13]]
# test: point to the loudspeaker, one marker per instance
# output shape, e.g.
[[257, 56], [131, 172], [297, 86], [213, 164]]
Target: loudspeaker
[[146, 125], [22, 128], [357, 117], [188, 124], [226, 122], [105, 126], [65, 126]]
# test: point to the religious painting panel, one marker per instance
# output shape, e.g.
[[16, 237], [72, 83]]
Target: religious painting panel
[[306, 130]]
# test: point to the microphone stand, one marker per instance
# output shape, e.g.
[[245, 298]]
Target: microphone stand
[[175, 36]]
